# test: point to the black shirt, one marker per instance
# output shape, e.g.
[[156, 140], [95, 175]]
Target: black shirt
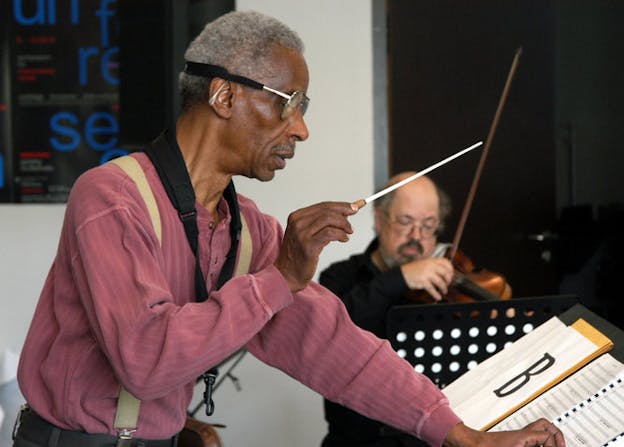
[[368, 293]]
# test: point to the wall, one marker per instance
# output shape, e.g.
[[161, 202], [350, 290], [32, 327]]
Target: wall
[[28, 242], [336, 163], [590, 103]]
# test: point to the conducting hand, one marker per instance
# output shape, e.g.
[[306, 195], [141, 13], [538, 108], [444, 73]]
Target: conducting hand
[[540, 433], [308, 231]]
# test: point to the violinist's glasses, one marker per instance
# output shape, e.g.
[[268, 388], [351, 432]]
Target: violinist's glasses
[[292, 102], [404, 225]]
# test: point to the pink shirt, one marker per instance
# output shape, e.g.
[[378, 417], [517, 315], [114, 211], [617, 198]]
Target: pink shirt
[[116, 308]]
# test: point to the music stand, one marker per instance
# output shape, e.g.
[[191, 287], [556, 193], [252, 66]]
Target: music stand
[[445, 340]]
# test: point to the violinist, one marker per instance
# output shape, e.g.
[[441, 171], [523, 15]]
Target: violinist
[[405, 255]]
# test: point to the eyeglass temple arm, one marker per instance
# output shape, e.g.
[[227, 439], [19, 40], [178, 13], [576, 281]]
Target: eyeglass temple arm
[[211, 71], [277, 92]]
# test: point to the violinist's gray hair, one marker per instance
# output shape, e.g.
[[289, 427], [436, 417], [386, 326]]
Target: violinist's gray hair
[[239, 41], [444, 200]]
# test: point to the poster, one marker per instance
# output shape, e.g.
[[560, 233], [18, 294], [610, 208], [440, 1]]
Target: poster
[[5, 195], [63, 70]]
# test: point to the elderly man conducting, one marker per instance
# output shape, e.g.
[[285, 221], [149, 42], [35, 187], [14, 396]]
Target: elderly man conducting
[[119, 311]]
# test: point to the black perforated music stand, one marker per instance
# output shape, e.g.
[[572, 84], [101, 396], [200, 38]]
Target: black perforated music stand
[[444, 340]]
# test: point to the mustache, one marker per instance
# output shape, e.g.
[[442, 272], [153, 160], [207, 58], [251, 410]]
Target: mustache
[[413, 243], [285, 148]]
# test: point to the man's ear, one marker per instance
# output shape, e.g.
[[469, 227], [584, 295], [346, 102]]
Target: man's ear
[[378, 218], [221, 97]]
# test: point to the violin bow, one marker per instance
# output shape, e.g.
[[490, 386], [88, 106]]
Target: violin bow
[[484, 154]]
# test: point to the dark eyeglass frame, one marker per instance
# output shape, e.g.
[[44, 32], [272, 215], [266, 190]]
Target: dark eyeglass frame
[[404, 225], [297, 100]]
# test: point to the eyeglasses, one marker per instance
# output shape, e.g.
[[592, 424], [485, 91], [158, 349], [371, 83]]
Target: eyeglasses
[[297, 100], [404, 225]]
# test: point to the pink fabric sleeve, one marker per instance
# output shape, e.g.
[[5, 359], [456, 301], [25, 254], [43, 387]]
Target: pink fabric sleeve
[[140, 324], [315, 341]]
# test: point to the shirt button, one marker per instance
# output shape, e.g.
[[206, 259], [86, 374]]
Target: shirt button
[[211, 225]]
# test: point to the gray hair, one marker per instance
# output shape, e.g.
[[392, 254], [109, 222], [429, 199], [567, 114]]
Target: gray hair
[[241, 42], [444, 203]]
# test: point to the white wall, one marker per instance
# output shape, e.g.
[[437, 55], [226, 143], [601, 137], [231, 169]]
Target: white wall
[[28, 241], [336, 163]]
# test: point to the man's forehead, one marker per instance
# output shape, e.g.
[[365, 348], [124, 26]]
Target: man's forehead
[[289, 67], [409, 203]]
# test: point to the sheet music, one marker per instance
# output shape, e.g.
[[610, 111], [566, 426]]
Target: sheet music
[[617, 442], [483, 395], [598, 419], [565, 395], [588, 407]]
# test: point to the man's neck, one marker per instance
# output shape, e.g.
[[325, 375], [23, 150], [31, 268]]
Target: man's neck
[[378, 260], [200, 151]]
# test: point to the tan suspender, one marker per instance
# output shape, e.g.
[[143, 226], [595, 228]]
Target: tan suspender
[[132, 167], [128, 406]]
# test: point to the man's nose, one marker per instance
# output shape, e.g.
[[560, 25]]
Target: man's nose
[[298, 129], [415, 232]]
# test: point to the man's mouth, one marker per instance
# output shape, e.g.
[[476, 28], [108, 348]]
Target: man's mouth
[[285, 156], [282, 157], [412, 248]]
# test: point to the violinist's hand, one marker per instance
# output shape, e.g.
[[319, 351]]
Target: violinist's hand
[[540, 433], [430, 274], [308, 231]]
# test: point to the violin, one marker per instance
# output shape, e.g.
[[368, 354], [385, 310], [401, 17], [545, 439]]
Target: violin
[[197, 433], [476, 284], [470, 283]]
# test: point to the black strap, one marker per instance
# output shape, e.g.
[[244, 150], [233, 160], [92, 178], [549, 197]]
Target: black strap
[[215, 71], [165, 152], [166, 156], [235, 234]]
